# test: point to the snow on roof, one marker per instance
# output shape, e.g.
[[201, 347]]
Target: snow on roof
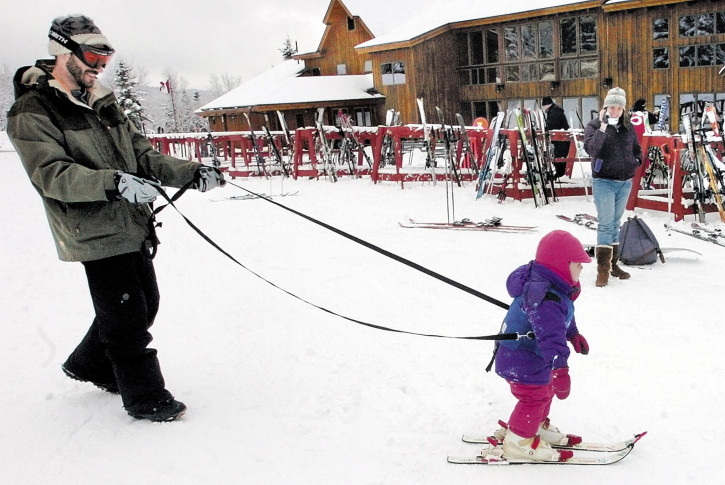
[[280, 85], [433, 16]]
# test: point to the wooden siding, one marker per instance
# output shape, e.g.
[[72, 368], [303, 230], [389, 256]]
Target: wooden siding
[[338, 44], [628, 54], [625, 47]]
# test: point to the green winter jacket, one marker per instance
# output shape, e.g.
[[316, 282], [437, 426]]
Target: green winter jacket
[[71, 152]]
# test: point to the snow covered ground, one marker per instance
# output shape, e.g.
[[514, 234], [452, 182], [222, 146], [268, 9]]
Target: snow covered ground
[[280, 392]]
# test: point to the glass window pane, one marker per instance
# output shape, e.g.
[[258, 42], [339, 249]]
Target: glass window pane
[[491, 46], [529, 73], [705, 55], [493, 75], [720, 54], [528, 41], [705, 24], [569, 69], [687, 25], [547, 72], [588, 33], [720, 23], [571, 108], [590, 109], [462, 43], [661, 58], [511, 105], [687, 56], [589, 68], [687, 103], [476, 48], [512, 74], [546, 40], [511, 43], [661, 28], [568, 36]]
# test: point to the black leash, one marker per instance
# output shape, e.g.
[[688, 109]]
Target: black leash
[[445, 279], [382, 251]]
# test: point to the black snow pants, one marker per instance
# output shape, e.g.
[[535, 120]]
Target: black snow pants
[[125, 297]]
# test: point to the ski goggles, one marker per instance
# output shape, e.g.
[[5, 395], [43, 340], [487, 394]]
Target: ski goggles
[[91, 56]]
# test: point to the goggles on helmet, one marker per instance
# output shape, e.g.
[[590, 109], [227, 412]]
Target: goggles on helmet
[[91, 56]]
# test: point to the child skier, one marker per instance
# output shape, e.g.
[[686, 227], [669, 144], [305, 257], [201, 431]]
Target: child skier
[[536, 368]]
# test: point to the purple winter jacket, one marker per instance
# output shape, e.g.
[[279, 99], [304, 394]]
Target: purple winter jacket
[[543, 303]]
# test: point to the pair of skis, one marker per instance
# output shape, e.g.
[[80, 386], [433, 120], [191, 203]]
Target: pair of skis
[[698, 231], [585, 220], [584, 453], [492, 224], [491, 157], [703, 168]]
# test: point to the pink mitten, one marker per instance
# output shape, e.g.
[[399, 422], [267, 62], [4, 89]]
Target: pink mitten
[[580, 344], [561, 382]]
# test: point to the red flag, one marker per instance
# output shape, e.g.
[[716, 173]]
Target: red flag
[[165, 85]]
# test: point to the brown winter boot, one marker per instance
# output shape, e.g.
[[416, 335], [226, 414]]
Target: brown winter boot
[[603, 255], [617, 272]]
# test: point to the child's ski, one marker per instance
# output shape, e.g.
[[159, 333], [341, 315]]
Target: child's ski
[[494, 459], [596, 447], [493, 455]]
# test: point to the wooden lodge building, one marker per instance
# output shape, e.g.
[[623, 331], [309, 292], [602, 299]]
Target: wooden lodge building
[[480, 57]]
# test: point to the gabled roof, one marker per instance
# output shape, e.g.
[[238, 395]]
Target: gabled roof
[[281, 85], [434, 18], [630, 4], [326, 20]]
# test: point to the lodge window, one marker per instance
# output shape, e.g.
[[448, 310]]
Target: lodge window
[[363, 116], [702, 24], [694, 103], [527, 52], [701, 55], [661, 58], [393, 73], [661, 29], [350, 23]]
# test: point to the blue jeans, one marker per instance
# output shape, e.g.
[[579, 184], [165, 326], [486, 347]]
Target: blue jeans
[[610, 199]]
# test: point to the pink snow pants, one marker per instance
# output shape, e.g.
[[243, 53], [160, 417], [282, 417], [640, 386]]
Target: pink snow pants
[[531, 410]]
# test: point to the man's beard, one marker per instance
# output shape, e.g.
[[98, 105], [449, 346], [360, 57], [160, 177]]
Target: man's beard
[[77, 72]]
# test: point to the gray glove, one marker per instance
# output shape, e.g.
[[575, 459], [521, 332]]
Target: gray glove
[[135, 189], [207, 178]]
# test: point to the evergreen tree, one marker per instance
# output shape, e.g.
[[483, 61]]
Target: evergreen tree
[[128, 97], [287, 49]]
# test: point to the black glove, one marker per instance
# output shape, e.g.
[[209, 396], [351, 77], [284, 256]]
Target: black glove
[[207, 178], [136, 189]]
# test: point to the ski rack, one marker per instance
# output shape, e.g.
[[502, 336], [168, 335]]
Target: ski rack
[[306, 163], [517, 186], [414, 134], [681, 203], [233, 146]]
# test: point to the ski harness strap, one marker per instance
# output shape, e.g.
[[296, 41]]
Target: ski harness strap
[[396, 257]]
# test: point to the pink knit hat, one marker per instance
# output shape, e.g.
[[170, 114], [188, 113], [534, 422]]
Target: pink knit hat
[[559, 248]]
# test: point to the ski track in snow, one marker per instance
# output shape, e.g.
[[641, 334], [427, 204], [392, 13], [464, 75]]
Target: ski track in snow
[[280, 392]]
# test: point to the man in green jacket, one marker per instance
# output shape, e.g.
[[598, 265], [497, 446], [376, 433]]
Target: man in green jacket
[[96, 175]]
